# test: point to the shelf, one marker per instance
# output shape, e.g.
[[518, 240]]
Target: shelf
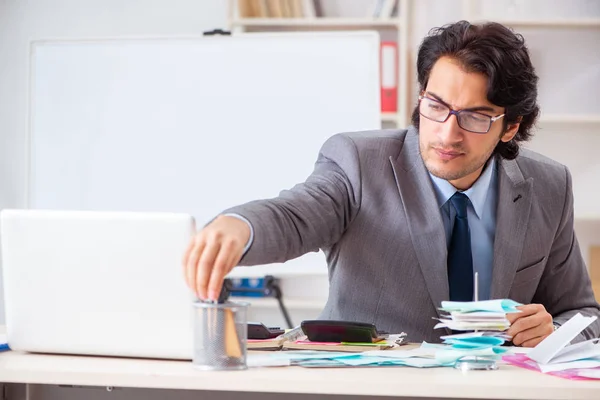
[[545, 119], [552, 23], [291, 303], [587, 218], [570, 119], [389, 117], [322, 22]]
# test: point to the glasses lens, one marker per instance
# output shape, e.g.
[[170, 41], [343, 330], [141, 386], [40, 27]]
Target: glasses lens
[[474, 122], [433, 110]]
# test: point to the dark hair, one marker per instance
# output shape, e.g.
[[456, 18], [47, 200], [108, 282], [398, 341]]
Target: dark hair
[[501, 55]]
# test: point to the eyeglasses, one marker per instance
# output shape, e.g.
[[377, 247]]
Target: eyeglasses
[[471, 121]]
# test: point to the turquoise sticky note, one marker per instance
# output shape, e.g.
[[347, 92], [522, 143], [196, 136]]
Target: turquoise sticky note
[[453, 355], [499, 306], [469, 346], [485, 341]]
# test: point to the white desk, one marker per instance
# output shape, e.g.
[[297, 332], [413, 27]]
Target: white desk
[[506, 383]]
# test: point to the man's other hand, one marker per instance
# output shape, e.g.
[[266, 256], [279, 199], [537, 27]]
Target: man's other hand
[[529, 327]]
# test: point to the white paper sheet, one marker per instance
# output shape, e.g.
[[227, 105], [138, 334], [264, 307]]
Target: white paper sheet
[[569, 365], [552, 346]]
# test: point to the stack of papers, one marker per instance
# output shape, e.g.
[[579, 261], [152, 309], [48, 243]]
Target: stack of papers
[[426, 356], [421, 357], [392, 341], [341, 346], [554, 355], [487, 322], [447, 354], [475, 340], [488, 316], [295, 339]]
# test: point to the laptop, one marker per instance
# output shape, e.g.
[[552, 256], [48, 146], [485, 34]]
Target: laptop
[[97, 283]]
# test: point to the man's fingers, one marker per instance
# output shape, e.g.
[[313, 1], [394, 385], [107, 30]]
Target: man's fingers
[[531, 337], [224, 262], [523, 336], [526, 329], [205, 268], [526, 310], [523, 324], [512, 317], [533, 342], [192, 261]]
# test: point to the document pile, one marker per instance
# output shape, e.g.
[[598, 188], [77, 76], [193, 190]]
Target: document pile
[[420, 357], [487, 317], [487, 322], [454, 350], [426, 356], [472, 345], [555, 356]]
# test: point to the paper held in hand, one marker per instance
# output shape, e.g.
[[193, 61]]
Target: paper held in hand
[[488, 315]]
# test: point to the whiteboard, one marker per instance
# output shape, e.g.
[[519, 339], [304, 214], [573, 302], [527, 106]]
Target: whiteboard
[[193, 125]]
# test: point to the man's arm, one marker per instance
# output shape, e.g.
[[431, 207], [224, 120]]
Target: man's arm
[[312, 214], [565, 288], [305, 218]]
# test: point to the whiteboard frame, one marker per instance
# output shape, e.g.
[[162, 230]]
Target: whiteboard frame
[[256, 271]]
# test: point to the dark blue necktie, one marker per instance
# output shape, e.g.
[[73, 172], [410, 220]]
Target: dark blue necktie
[[460, 260]]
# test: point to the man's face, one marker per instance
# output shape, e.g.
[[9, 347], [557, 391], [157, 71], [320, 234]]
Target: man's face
[[450, 152]]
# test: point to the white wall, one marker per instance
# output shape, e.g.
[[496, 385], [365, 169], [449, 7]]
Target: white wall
[[24, 20]]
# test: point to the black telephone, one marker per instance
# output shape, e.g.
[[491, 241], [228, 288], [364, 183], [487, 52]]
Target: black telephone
[[257, 330], [341, 331]]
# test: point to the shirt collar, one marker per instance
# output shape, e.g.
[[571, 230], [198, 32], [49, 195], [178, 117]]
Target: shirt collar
[[476, 193]]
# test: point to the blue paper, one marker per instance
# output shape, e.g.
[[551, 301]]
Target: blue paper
[[302, 355], [317, 359], [499, 306], [475, 342], [358, 360], [453, 355]]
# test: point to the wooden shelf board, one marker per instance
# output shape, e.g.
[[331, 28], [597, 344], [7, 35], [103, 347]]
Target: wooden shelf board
[[587, 218], [570, 119], [321, 22], [389, 116], [291, 303], [552, 23]]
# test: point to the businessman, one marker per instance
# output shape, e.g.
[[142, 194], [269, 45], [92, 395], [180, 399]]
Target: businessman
[[406, 217]]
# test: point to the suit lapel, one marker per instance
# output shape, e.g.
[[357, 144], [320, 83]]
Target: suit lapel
[[512, 218], [424, 217]]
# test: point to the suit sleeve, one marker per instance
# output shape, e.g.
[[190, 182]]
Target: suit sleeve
[[565, 288], [312, 214]]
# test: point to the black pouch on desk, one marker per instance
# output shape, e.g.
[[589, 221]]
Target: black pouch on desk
[[341, 331]]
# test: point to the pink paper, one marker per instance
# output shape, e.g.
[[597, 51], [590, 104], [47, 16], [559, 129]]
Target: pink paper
[[521, 360], [319, 343]]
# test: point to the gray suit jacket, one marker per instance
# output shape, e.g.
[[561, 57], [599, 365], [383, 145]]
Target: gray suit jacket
[[370, 206]]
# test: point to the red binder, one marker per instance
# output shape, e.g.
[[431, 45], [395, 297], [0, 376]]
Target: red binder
[[389, 76]]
